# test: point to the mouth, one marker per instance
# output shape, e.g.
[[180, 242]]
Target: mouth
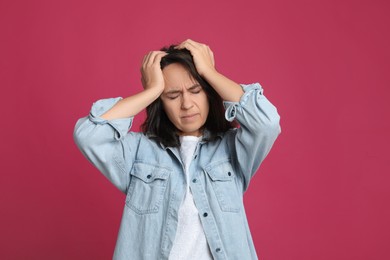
[[189, 116]]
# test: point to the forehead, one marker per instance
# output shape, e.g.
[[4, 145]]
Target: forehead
[[177, 77]]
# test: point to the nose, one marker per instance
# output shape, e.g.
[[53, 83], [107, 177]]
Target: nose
[[186, 102]]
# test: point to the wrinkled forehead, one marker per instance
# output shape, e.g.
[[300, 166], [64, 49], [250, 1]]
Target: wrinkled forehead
[[177, 77]]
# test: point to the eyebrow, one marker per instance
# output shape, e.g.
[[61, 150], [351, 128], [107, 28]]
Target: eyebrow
[[175, 91]]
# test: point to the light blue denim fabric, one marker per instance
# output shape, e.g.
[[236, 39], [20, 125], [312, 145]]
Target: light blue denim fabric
[[152, 177]]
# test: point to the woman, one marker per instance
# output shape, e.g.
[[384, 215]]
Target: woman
[[184, 177]]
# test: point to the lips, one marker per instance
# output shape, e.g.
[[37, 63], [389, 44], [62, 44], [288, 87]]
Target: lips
[[188, 116]]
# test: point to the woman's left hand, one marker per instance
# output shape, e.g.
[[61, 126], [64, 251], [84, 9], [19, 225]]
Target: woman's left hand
[[202, 55]]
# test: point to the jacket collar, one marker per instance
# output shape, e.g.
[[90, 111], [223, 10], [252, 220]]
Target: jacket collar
[[205, 138]]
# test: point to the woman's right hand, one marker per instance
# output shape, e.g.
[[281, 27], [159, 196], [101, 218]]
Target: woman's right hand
[[152, 76]]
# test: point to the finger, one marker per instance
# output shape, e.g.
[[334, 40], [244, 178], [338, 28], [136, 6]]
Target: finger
[[211, 54], [189, 46], [186, 43], [151, 58], [146, 59], [197, 45], [143, 65], [192, 42], [180, 45], [157, 58], [143, 60]]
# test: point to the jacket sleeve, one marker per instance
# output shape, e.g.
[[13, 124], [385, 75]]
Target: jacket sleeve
[[103, 142], [259, 128]]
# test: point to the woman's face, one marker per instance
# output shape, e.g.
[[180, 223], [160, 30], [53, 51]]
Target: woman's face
[[184, 100]]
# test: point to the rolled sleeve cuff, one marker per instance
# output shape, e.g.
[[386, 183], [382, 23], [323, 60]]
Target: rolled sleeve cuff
[[121, 125], [231, 107]]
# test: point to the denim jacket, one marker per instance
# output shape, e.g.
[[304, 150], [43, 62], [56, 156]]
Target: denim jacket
[[152, 177]]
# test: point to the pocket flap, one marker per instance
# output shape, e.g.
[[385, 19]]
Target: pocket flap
[[148, 173], [220, 171]]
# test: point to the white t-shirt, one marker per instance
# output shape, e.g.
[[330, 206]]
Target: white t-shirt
[[190, 241]]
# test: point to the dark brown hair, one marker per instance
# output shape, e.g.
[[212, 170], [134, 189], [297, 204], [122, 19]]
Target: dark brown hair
[[157, 124]]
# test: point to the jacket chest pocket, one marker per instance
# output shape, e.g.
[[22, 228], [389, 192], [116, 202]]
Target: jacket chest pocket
[[223, 181], [147, 187]]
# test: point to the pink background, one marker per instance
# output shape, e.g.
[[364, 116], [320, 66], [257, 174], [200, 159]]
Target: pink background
[[322, 193]]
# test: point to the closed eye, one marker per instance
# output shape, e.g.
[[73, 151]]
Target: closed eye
[[196, 89], [172, 96]]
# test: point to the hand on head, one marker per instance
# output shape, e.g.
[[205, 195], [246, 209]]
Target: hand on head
[[202, 55], [152, 76], [151, 72]]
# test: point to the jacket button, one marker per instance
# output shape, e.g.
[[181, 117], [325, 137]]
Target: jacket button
[[218, 249], [229, 173], [205, 214], [194, 180], [149, 176]]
